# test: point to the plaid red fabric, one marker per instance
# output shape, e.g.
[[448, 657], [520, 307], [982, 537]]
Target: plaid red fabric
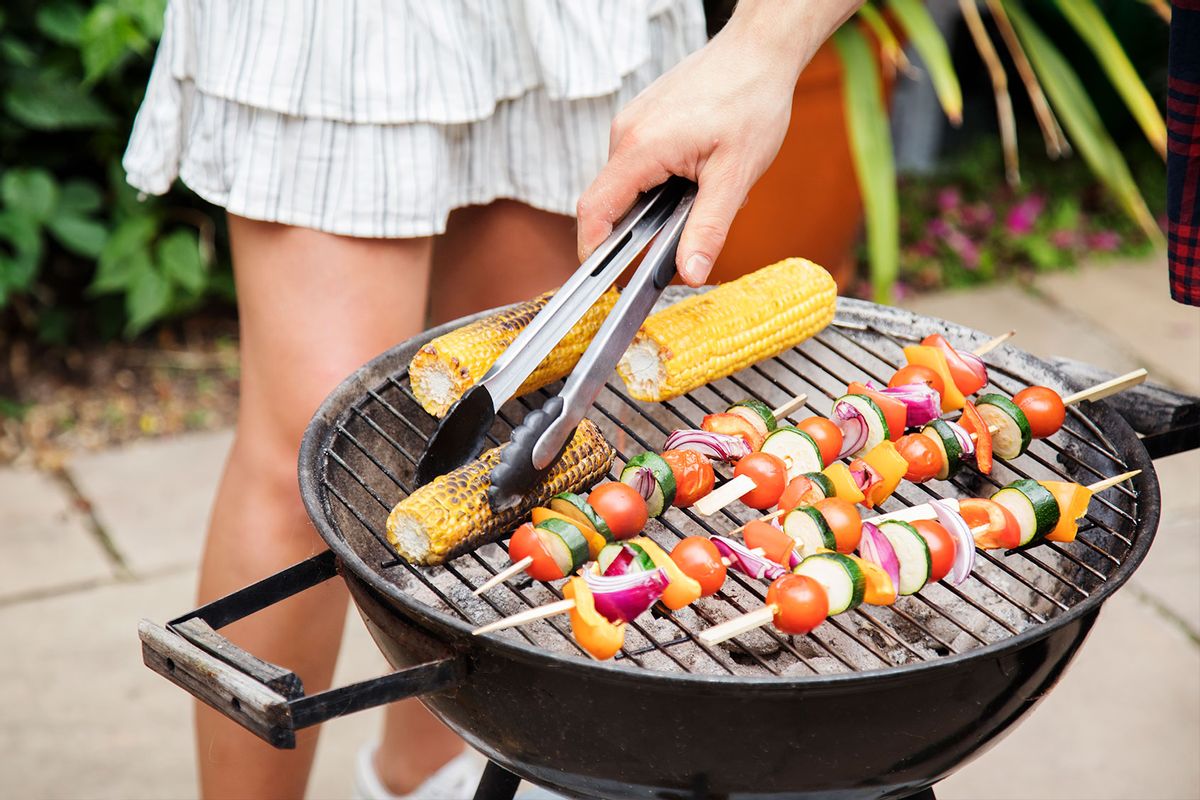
[[1183, 152]]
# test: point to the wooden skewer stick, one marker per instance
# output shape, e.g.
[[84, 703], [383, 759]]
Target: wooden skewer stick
[[1109, 387], [525, 617], [504, 574], [1108, 483], [790, 407], [724, 494], [992, 344]]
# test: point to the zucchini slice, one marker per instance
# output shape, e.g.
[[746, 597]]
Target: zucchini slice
[[948, 444], [843, 580], [664, 492], [810, 530], [568, 547], [760, 409], [574, 506], [913, 554], [823, 482], [798, 450], [877, 427], [1034, 508], [1013, 434]]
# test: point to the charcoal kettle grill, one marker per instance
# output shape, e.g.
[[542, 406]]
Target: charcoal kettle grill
[[880, 702]]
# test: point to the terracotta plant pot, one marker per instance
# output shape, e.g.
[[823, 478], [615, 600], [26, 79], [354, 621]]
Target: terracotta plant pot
[[807, 204]]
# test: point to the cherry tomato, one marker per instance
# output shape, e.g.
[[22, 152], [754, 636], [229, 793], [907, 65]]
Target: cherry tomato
[[694, 476], [942, 548], [621, 508], [827, 436], [917, 373], [800, 603], [800, 491], [1002, 530], [1043, 408], [769, 475], [526, 542], [843, 519], [700, 560], [923, 457], [774, 543]]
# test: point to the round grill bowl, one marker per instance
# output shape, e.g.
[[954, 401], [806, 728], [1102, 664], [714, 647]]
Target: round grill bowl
[[877, 703]]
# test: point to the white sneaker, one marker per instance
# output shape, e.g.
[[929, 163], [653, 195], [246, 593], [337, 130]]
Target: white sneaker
[[456, 780]]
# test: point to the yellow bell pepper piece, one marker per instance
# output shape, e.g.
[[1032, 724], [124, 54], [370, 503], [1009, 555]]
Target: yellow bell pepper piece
[[890, 465], [843, 483], [682, 589], [594, 633], [926, 356]]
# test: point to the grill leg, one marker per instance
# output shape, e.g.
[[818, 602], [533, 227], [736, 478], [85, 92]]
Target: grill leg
[[497, 783], [924, 794]]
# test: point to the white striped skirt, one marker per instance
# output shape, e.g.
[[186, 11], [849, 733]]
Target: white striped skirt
[[375, 118]]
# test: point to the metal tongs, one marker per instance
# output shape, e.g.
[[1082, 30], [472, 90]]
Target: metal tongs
[[544, 433]]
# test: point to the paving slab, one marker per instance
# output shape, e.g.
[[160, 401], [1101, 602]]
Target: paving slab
[[153, 497], [1169, 573], [45, 540], [1124, 722], [1130, 301]]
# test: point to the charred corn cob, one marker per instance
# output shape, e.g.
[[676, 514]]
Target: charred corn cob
[[446, 367], [711, 335], [450, 515]]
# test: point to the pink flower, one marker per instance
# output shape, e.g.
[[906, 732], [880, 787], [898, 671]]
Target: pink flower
[[948, 199], [1063, 239], [924, 249], [964, 248], [1022, 216], [1104, 241], [938, 228], [978, 215]]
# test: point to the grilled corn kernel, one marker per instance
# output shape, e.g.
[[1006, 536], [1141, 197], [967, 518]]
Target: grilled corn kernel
[[451, 515], [446, 367], [711, 335]]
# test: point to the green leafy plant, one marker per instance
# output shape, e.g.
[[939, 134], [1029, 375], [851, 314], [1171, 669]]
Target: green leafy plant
[[73, 235], [1055, 90]]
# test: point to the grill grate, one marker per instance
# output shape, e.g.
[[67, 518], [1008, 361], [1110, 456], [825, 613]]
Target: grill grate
[[375, 445]]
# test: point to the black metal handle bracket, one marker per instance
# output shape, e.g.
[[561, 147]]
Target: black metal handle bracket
[[265, 698]]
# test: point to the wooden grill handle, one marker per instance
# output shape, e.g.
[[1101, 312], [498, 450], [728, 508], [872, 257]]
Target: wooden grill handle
[[266, 699]]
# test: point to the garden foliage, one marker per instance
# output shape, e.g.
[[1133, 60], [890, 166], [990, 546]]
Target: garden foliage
[[79, 251]]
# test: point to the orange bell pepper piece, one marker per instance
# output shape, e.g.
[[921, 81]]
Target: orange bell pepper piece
[[891, 466], [1073, 502], [880, 589], [925, 356], [972, 422], [594, 633]]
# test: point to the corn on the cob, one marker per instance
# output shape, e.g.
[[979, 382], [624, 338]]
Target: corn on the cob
[[711, 335], [450, 515], [446, 367]]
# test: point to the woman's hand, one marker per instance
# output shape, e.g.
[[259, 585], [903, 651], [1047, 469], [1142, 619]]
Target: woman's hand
[[718, 118]]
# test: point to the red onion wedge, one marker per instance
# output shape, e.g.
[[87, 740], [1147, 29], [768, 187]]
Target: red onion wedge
[[976, 365], [718, 446], [964, 439], [921, 401], [643, 483], [620, 564], [865, 476], [876, 548], [853, 426], [746, 560], [964, 550], [623, 598]]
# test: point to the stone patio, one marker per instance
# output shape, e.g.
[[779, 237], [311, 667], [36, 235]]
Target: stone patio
[[84, 555]]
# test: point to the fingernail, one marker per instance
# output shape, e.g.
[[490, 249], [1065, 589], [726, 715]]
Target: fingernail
[[696, 268]]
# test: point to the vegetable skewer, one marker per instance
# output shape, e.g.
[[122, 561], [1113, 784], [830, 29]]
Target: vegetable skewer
[[776, 610]]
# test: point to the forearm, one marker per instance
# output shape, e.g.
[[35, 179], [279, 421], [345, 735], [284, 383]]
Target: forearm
[[788, 32]]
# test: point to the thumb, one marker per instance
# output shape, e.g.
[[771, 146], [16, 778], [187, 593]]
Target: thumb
[[717, 201], [611, 195]]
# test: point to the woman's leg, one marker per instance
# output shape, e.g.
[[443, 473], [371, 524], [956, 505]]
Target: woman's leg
[[313, 307], [497, 254]]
